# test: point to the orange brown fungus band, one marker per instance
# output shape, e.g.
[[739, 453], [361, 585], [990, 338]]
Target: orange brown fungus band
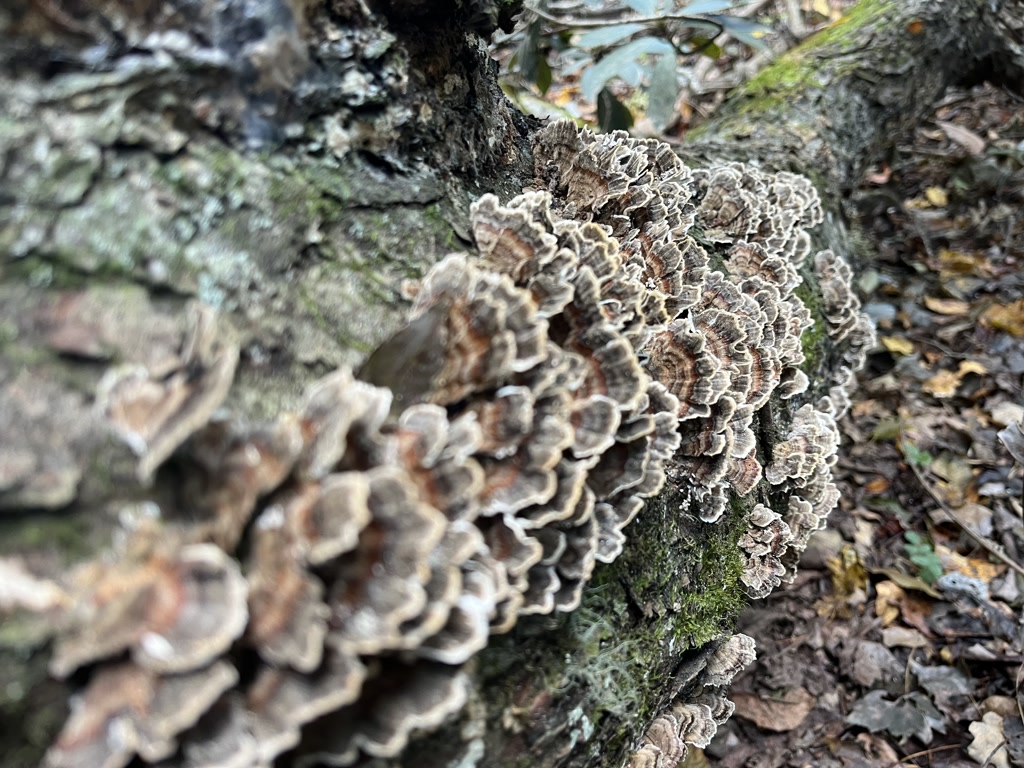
[[487, 457]]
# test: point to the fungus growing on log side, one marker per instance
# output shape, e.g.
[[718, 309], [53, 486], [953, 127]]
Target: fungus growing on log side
[[359, 551]]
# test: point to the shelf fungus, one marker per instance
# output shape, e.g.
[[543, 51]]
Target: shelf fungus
[[319, 582], [695, 719]]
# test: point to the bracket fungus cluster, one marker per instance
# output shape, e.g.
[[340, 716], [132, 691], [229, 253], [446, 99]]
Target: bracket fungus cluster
[[695, 721], [620, 325]]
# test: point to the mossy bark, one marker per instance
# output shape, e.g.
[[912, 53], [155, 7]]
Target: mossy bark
[[290, 171]]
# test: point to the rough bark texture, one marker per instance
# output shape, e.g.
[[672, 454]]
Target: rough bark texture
[[288, 165]]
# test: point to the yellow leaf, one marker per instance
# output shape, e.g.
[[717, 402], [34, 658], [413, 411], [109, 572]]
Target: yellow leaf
[[898, 345], [936, 196], [848, 574], [1009, 318], [971, 366], [942, 384], [947, 306], [887, 602], [962, 263]]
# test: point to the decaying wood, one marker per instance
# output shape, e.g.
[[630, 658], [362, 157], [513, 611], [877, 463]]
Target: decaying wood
[[289, 166]]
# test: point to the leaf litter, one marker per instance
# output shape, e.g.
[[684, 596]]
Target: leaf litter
[[904, 626]]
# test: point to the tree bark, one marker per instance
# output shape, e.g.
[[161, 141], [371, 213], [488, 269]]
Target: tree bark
[[288, 165]]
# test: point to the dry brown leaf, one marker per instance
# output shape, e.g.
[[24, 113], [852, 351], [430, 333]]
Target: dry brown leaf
[[877, 749], [945, 383], [777, 715], [976, 516], [965, 137], [947, 306], [968, 566], [1006, 413], [904, 637], [878, 486], [942, 384], [1009, 317], [898, 345]]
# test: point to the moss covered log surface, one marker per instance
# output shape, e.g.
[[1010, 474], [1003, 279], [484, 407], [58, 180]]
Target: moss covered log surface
[[289, 167]]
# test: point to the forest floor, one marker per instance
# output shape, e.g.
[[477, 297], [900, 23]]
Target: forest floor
[[900, 643]]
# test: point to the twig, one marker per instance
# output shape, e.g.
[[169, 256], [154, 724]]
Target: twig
[[598, 23], [987, 544], [922, 753]]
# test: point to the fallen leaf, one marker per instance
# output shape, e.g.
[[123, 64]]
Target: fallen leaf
[[943, 683], [972, 567], [945, 383], [910, 715], [1006, 706], [956, 475], [887, 597], [1012, 439], [936, 196], [1008, 317], [848, 574], [907, 581], [947, 306], [777, 715], [971, 366], [898, 345], [872, 663], [904, 637], [1006, 413], [942, 385], [878, 486], [989, 745], [965, 137], [961, 263], [1013, 730], [877, 750], [977, 516]]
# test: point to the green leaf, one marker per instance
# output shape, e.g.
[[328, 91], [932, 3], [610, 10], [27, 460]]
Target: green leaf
[[706, 47], [623, 63], [606, 36], [612, 114], [922, 554], [915, 455], [662, 91]]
